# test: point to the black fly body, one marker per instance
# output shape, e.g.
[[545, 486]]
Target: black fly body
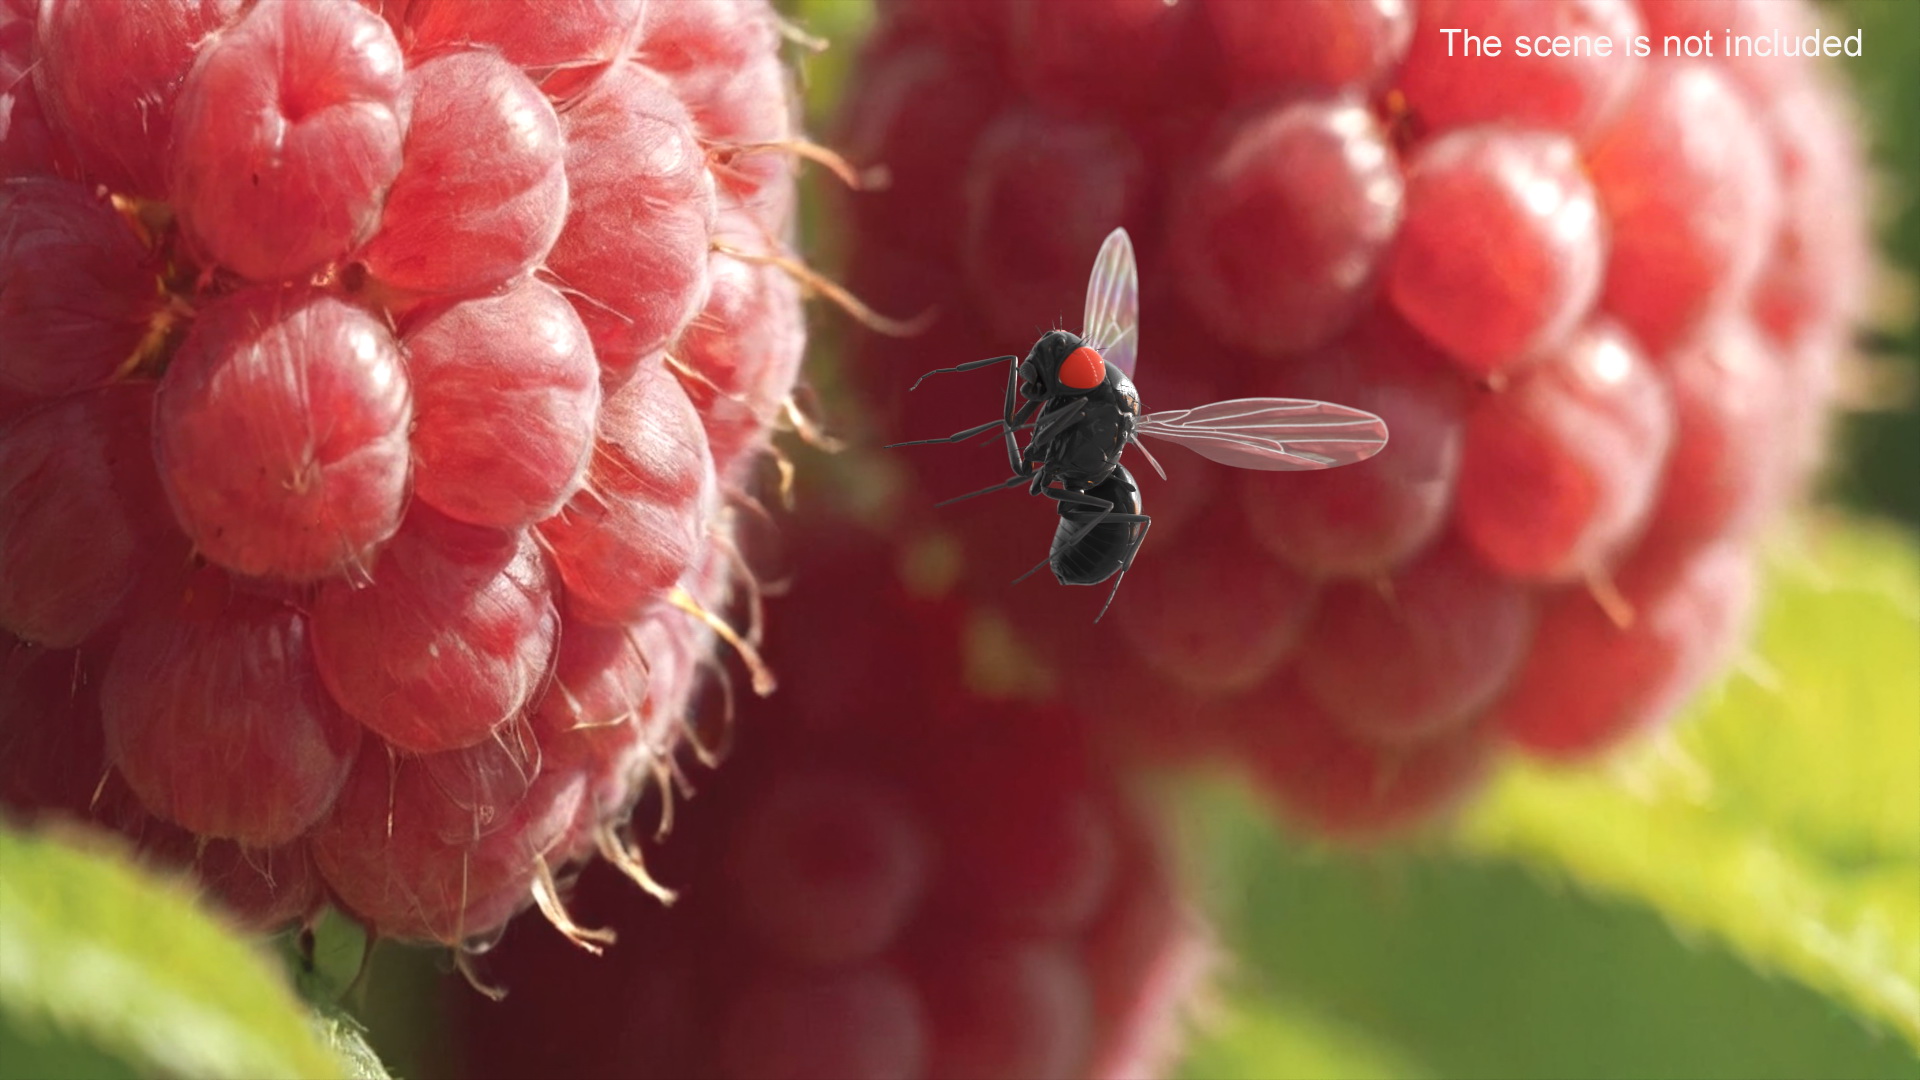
[[1075, 398]]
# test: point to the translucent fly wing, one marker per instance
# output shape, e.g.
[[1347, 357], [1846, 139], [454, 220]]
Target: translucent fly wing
[[1112, 323], [1272, 433]]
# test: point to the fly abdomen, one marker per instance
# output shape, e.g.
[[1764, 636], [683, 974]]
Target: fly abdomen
[[1088, 551]]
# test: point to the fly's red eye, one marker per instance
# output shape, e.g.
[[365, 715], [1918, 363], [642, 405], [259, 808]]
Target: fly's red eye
[[1083, 369]]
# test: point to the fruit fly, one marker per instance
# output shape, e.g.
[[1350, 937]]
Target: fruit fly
[[1075, 397]]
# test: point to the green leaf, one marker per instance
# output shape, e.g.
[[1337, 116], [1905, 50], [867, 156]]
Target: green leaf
[[395, 992], [106, 970], [344, 1036], [1410, 963], [1634, 920], [1783, 818], [1256, 1035]]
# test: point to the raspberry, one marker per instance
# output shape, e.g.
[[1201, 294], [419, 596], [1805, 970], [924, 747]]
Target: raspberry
[[1344, 784], [1599, 302], [52, 752], [26, 148], [549, 41], [258, 889], [76, 290], [287, 135], [744, 342], [612, 706], [1696, 240], [1314, 179], [970, 895], [503, 425], [1365, 522], [908, 90], [117, 116], [1025, 168], [1223, 649], [281, 434], [1530, 273], [1569, 94], [632, 532], [464, 218], [412, 862], [375, 381], [263, 889], [827, 869], [215, 715], [1729, 385], [1560, 469], [641, 217], [1455, 632], [1071, 56], [82, 513], [453, 640], [1324, 43], [1590, 681]]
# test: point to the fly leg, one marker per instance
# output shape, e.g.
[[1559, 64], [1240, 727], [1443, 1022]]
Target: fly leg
[[1052, 423], [1145, 524], [1021, 421], [1015, 417], [1010, 482], [971, 365], [1010, 420], [1140, 519], [958, 436], [1103, 511], [1045, 429]]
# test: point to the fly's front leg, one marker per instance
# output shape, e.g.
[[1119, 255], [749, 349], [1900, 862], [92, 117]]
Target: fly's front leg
[[1045, 430], [971, 365], [1053, 423], [1013, 421]]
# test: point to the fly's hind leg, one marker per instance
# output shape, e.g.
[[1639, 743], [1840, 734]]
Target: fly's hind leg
[[1145, 524], [1111, 593], [1103, 511]]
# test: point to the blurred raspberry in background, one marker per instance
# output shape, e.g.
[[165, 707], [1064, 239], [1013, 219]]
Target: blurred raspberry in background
[[1601, 302]]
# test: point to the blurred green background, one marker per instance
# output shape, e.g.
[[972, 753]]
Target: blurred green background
[[1880, 470], [1738, 899]]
